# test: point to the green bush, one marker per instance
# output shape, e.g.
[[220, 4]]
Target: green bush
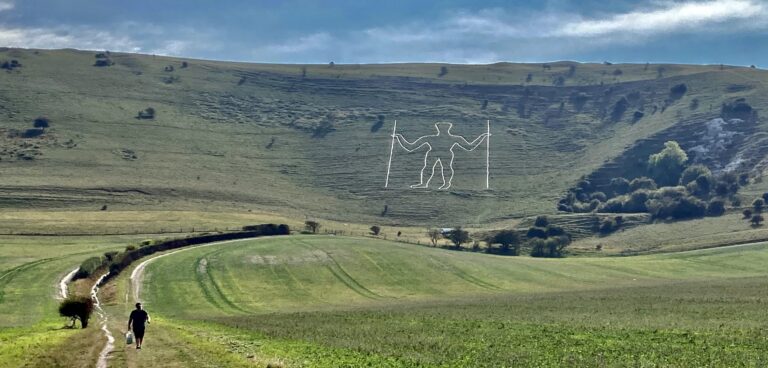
[[110, 256], [537, 232], [88, 267], [693, 172], [636, 202], [666, 166], [553, 230], [375, 230], [458, 236], [599, 196], [677, 208], [77, 308], [642, 183], [541, 221], [509, 241], [716, 207], [613, 205], [550, 248], [758, 205], [619, 186]]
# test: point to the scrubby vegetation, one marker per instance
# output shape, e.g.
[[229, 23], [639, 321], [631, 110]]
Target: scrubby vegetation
[[672, 190], [312, 226], [88, 267], [103, 59], [148, 113], [10, 65]]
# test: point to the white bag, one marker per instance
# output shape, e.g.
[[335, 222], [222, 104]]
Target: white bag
[[128, 338]]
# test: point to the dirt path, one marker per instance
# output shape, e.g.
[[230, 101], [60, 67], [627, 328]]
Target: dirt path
[[110, 345], [63, 289]]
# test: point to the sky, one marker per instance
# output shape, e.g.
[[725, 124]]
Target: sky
[[733, 32]]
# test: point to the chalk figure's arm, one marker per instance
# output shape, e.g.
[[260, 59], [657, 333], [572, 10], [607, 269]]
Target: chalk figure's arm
[[408, 146], [467, 146]]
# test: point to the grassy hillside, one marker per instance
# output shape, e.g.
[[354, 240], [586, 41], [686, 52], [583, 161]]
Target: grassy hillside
[[314, 140], [329, 301]]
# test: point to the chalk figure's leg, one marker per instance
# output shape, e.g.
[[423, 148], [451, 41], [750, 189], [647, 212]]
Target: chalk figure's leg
[[428, 162], [447, 180]]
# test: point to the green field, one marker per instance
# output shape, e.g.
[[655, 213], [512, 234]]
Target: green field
[[331, 301]]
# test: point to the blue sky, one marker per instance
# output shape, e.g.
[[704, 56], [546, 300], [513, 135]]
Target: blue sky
[[457, 31]]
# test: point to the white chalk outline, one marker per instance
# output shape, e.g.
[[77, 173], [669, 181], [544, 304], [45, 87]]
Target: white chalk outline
[[446, 184]]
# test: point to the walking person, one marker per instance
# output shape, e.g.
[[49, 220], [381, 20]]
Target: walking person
[[136, 323]]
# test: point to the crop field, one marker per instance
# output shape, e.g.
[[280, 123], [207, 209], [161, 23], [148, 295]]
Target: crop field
[[334, 301]]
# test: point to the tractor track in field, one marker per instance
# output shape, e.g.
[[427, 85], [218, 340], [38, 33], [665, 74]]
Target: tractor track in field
[[458, 272], [343, 276], [211, 288]]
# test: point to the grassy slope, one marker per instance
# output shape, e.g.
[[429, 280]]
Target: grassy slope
[[207, 149], [319, 301]]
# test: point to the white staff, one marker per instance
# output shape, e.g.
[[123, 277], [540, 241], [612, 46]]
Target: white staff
[[391, 151], [487, 153]]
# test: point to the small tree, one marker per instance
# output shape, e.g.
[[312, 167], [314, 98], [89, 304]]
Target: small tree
[[434, 236], [537, 232], [148, 113], [677, 91], [541, 221], [77, 308], [666, 166], [443, 71], [758, 205], [375, 230], [458, 236], [716, 207], [312, 226], [507, 239], [693, 172], [757, 220], [619, 186], [41, 122], [642, 183], [747, 213]]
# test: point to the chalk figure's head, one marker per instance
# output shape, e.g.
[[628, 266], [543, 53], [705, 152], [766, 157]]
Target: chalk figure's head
[[443, 127]]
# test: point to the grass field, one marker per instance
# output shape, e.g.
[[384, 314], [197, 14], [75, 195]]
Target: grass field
[[331, 301]]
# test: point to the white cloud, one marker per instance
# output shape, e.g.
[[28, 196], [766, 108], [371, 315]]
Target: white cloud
[[681, 16], [122, 37], [55, 38], [310, 42], [6, 5]]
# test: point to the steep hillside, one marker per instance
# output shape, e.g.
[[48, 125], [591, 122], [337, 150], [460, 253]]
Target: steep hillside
[[315, 140]]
